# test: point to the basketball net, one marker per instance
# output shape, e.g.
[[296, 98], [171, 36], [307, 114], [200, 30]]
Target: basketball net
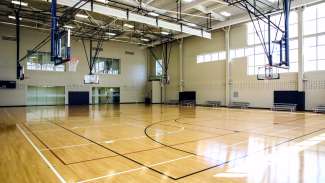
[[73, 63]]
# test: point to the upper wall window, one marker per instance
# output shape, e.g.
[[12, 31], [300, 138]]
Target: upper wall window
[[211, 57], [255, 35], [314, 19], [159, 68], [255, 53], [107, 66], [41, 61], [314, 38]]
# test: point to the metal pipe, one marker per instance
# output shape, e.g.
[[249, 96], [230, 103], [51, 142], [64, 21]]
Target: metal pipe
[[18, 44], [286, 30], [53, 30], [90, 57], [269, 40]]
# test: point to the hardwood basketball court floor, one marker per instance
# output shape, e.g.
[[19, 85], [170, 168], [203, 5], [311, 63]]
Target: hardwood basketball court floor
[[160, 143]]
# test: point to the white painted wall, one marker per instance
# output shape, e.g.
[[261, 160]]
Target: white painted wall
[[131, 81]]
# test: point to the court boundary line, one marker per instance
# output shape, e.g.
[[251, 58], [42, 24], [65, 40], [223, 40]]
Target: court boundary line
[[58, 157], [163, 145], [246, 155], [245, 131], [56, 173], [124, 156], [269, 147], [46, 146], [77, 162], [133, 170]]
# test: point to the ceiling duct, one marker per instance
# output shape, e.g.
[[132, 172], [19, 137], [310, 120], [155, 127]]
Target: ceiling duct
[[122, 14]]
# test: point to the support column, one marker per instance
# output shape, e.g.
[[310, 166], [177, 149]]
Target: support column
[[300, 49], [18, 66], [228, 69], [181, 80]]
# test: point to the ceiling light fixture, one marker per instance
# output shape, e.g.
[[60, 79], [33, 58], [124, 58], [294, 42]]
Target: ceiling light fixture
[[81, 15], [111, 33], [13, 17], [68, 26], [153, 14], [164, 33], [226, 14], [128, 25], [145, 39], [191, 24], [19, 3]]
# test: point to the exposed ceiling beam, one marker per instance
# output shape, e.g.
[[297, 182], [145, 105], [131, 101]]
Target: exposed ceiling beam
[[125, 15], [213, 14], [245, 18]]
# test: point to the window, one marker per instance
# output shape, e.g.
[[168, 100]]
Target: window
[[314, 38], [41, 61], [211, 57], [107, 66], [105, 95], [159, 69], [45, 95], [255, 38], [255, 52]]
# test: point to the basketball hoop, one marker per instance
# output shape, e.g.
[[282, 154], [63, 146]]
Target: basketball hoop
[[268, 72], [73, 63]]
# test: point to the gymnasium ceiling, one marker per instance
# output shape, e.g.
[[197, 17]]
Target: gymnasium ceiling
[[37, 15]]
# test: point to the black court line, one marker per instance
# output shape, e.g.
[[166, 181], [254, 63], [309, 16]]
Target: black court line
[[226, 162], [169, 146], [196, 172], [42, 142], [205, 126], [244, 156], [144, 150], [196, 130], [130, 159], [193, 173], [57, 156]]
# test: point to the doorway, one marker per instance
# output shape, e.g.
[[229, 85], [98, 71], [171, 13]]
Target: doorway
[[105, 95]]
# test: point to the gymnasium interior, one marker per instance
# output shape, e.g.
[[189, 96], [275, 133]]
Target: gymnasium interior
[[170, 91]]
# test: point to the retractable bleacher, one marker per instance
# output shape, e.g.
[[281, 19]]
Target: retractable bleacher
[[212, 103], [241, 105], [284, 107], [319, 109]]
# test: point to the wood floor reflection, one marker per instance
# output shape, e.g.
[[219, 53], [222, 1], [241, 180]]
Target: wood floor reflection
[[159, 143]]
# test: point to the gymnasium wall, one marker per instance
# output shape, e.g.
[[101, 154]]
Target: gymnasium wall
[[132, 79], [249, 89], [208, 79]]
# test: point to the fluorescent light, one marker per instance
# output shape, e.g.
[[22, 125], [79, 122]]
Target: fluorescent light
[[110, 33], [145, 39], [226, 14], [101, 1], [153, 14], [164, 33], [134, 17], [187, 1], [19, 3], [191, 24], [68, 26], [128, 25], [81, 15], [13, 17]]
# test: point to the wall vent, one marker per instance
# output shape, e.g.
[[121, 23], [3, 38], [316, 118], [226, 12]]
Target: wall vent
[[9, 38], [129, 53]]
